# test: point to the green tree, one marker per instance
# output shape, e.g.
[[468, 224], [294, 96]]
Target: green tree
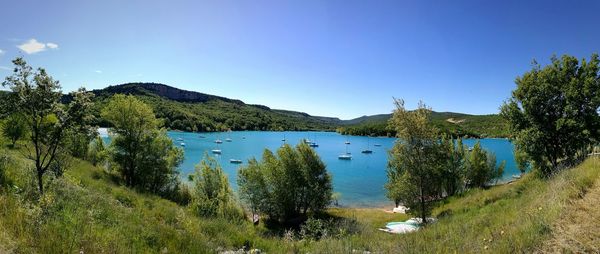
[[481, 167], [211, 194], [160, 158], [553, 112], [452, 159], [36, 96], [146, 156], [132, 122], [414, 176], [521, 160], [97, 152], [287, 185], [14, 128]]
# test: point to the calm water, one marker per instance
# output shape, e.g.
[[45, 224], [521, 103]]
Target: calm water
[[360, 180]]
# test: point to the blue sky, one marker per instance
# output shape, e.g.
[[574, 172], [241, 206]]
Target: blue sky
[[342, 58]]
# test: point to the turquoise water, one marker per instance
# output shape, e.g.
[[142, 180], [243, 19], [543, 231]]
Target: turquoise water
[[360, 180]]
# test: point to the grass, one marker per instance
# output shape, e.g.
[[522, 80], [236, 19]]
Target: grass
[[86, 210]]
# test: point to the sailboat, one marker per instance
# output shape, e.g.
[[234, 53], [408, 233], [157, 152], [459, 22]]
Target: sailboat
[[313, 143], [346, 156], [235, 161], [367, 150], [217, 150]]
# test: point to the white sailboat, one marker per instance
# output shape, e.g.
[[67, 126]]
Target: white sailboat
[[217, 150], [345, 156]]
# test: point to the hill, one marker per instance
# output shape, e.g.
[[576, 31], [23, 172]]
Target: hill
[[456, 124], [194, 111]]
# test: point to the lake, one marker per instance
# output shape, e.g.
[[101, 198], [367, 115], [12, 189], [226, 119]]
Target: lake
[[360, 180]]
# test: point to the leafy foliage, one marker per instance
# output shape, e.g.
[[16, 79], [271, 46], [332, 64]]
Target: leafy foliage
[[14, 128], [36, 96], [553, 112], [286, 185], [146, 156], [481, 167], [413, 175], [423, 168], [211, 195], [97, 152]]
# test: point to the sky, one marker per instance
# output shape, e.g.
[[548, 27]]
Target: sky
[[343, 58]]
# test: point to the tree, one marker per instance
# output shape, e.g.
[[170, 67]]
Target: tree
[[132, 122], [14, 128], [521, 160], [553, 112], [211, 194], [452, 159], [481, 167], [414, 176], [160, 158], [36, 96], [97, 152], [146, 156], [287, 185]]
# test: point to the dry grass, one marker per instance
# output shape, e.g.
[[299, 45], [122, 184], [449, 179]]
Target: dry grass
[[576, 231]]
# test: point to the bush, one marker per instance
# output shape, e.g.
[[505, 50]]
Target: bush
[[97, 153], [286, 186], [212, 196]]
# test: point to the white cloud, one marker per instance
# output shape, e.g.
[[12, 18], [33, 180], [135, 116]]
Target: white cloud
[[98, 71], [52, 45], [33, 46]]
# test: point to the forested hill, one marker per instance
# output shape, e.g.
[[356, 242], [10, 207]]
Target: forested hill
[[456, 124], [194, 111]]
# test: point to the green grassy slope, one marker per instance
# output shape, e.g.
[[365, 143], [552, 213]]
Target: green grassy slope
[[88, 211]]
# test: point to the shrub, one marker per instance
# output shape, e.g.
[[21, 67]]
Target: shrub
[[288, 185], [212, 196]]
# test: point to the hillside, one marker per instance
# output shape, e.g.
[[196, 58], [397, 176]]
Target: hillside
[[194, 111], [89, 211], [456, 124]]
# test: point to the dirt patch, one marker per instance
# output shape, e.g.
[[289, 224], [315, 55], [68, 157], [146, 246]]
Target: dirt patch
[[455, 121]]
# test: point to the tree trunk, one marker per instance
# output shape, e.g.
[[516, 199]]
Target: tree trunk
[[40, 175]]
